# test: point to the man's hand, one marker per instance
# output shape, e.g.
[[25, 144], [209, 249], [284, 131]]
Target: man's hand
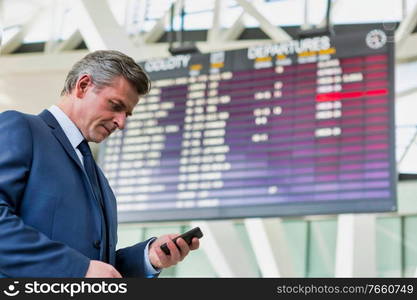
[[99, 269], [160, 260]]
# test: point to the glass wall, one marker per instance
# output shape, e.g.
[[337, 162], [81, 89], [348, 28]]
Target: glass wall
[[311, 241]]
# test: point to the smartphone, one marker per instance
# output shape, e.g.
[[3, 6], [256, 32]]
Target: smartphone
[[187, 236]]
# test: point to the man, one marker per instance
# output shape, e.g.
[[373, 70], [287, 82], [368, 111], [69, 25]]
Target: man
[[57, 210]]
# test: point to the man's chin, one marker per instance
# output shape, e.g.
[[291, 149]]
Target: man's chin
[[98, 138]]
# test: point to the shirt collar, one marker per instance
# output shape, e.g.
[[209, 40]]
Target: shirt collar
[[70, 129]]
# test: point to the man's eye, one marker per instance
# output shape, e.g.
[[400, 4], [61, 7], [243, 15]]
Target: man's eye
[[115, 106]]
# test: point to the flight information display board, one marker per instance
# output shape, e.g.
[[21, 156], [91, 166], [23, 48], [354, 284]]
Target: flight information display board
[[297, 128]]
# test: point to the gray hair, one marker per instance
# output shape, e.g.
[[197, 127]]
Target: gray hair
[[103, 66]]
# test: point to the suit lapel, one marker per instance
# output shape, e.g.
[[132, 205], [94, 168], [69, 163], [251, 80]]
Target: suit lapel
[[60, 135], [65, 143]]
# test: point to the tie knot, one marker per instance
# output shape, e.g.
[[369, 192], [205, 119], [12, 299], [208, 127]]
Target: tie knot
[[84, 148]]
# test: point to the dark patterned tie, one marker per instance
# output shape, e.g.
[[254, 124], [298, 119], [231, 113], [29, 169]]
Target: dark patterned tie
[[90, 168]]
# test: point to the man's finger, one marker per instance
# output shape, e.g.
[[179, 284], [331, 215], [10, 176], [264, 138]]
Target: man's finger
[[116, 274], [195, 244], [174, 252], [183, 247]]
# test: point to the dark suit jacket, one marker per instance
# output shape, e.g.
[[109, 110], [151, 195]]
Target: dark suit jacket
[[50, 221]]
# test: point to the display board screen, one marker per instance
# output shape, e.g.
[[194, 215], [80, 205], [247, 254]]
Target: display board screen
[[297, 128]]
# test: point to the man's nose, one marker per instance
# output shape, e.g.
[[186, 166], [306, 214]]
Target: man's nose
[[120, 120]]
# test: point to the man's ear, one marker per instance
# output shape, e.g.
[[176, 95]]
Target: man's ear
[[82, 85]]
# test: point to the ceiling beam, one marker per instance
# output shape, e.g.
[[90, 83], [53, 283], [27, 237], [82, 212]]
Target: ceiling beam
[[70, 43], [101, 31], [408, 50], [37, 63], [406, 28], [235, 30], [277, 34], [17, 39], [158, 30], [335, 6], [215, 30]]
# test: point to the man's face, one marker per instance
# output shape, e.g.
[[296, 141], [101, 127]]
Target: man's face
[[101, 111]]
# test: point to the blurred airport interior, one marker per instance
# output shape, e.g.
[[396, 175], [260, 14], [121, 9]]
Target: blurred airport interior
[[285, 129]]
